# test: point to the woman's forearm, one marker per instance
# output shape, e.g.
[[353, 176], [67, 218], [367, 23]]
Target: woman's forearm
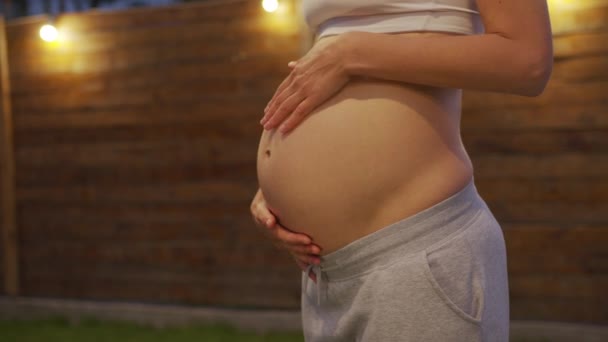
[[488, 62]]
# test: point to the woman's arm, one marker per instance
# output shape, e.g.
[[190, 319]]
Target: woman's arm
[[515, 55]]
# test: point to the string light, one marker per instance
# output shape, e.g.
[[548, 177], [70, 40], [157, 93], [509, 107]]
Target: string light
[[270, 5], [48, 33]]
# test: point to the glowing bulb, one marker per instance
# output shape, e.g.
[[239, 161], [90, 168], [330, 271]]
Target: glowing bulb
[[270, 5], [48, 33]]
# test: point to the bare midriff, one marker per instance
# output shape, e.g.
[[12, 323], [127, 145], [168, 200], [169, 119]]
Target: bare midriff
[[375, 152]]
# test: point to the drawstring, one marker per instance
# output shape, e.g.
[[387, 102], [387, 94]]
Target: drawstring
[[317, 271]]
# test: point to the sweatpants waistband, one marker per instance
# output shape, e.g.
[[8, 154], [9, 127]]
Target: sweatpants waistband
[[407, 236]]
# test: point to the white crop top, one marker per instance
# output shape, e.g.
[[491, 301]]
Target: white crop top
[[329, 17]]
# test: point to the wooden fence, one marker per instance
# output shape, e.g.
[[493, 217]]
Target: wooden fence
[[135, 147]]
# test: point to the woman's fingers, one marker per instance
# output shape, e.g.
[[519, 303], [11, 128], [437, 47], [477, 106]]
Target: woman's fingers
[[314, 249], [302, 249], [260, 212], [264, 220], [297, 116], [289, 237], [301, 263], [298, 244], [270, 106], [303, 266], [311, 259], [267, 219], [305, 257], [286, 104], [308, 253]]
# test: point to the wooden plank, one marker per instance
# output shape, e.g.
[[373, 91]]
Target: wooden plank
[[581, 69], [556, 262], [144, 257], [201, 192], [135, 118], [169, 97], [118, 174], [580, 44], [215, 150], [535, 141], [210, 231], [550, 212], [193, 288], [166, 94], [557, 309], [7, 170], [227, 277], [548, 167], [112, 214], [574, 116], [567, 190], [212, 110], [248, 129], [556, 93], [143, 223], [125, 256], [583, 287]]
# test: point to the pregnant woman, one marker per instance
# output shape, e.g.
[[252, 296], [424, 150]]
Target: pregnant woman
[[363, 175]]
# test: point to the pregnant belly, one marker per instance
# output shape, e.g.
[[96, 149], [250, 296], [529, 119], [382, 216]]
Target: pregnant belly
[[335, 175]]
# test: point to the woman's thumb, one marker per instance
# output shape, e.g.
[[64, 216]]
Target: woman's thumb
[[291, 64], [269, 221]]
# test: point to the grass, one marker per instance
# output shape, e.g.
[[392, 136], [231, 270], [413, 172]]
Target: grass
[[59, 329]]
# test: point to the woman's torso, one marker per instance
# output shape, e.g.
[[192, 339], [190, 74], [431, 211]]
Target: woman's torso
[[375, 152]]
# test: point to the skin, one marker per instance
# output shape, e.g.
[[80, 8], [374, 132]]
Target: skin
[[299, 245], [514, 55]]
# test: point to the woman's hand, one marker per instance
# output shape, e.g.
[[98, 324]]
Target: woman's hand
[[313, 79], [299, 245]]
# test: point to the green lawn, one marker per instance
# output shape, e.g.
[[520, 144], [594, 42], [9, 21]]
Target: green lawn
[[90, 330]]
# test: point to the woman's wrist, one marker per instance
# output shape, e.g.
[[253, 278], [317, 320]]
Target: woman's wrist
[[349, 43], [352, 57]]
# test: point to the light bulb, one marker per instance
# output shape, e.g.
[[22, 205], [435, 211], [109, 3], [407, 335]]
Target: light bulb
[[48, 33], [270, 5]]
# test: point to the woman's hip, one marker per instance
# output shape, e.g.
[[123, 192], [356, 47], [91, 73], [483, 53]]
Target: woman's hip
[[445, 264]]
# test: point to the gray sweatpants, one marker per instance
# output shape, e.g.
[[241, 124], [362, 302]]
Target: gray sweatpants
[[438, 275]]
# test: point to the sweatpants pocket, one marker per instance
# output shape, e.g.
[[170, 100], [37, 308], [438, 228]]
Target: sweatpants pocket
[[455, 273]]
